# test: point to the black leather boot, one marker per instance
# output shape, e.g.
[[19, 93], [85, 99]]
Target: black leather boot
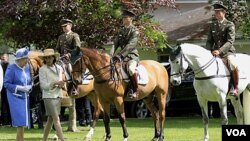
[[134, 93]]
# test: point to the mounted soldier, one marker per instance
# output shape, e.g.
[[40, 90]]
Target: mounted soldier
[[69, 43], [127, 39], [220, 41]]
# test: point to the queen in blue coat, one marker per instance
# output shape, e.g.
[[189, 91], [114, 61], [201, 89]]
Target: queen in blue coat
[[18, 83]]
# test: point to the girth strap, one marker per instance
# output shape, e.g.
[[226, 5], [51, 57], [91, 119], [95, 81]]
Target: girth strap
[[211, 77]]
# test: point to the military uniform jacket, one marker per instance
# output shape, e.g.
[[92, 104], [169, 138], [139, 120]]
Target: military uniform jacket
[[68, 41], [221, 37], [127, 40]]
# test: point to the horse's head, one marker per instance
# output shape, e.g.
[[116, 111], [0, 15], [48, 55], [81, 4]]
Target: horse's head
[[96, 61], [78, 69], [178, 65], [35, 62]]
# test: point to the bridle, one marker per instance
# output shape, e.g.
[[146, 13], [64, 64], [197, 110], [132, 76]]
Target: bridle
[[198, 70], [96, 73]]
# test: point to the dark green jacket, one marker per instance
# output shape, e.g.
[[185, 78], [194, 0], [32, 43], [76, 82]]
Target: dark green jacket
[[221, 37], [127, 40], [68, 41]]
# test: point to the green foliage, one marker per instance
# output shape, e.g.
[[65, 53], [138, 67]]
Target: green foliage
[[38, 23], [244, 28], [96, 21], [152, 33], [238, 13]]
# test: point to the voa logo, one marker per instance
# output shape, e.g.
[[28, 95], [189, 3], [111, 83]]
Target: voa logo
[[236, 132]]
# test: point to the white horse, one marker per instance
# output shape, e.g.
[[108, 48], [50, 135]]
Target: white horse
[[211, 81]]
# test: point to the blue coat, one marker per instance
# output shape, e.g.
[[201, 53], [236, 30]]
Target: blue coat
[[18, 101]]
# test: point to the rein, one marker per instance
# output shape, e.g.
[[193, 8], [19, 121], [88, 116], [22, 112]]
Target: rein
[[95, 73], [199, 70]]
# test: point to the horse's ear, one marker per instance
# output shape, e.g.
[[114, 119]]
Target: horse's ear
[[178, 50], [174, 52]]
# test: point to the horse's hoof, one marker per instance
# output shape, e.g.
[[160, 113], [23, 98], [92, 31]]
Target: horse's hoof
[[125, 139], [107, 138], [87, 138], [90, 133], [55, 137], [161, 139], [154, 139]]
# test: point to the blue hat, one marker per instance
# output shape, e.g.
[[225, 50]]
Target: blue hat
[[22, 53]]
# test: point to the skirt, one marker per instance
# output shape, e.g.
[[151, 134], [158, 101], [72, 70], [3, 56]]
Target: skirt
[[52, 106]]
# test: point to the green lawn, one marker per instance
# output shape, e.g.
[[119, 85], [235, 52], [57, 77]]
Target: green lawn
[[176, 129]]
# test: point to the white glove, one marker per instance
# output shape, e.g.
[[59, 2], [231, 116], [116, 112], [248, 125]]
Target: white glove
[[25, 89]]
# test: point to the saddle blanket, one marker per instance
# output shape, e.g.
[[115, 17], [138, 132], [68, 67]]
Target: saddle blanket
[[142, 75]]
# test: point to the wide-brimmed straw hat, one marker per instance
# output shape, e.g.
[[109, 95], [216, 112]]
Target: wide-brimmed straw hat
[[22, 53], [49, 52]]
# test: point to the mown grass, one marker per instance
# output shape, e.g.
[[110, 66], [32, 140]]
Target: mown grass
[[176, 129]]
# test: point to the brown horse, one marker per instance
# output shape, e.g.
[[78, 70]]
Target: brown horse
[[113, 90], [83, 89]]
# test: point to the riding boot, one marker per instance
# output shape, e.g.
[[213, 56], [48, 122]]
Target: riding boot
[[235, 75], [134, 93]]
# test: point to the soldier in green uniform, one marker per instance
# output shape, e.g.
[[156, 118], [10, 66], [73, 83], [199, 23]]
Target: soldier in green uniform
[[127, 39], [68, 45], [220, 41], [69, 42]]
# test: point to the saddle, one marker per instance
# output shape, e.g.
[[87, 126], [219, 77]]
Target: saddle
[[141, 71], [86, 77]]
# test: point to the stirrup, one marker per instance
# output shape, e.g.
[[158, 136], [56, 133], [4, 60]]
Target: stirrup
[[74, 92], [132, 94], [233, 92], [55, 137]]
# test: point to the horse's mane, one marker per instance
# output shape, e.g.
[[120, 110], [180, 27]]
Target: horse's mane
[[195, 50], [95, 53], [34, 55]]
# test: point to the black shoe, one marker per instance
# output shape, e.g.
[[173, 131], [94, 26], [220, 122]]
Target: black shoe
[[82, 123], [40, 126]]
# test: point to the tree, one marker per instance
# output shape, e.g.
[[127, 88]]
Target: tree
[[96, 21]]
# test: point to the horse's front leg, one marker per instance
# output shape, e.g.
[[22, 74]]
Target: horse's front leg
[[106, 120], [119, 103], [98, 109], [204, 110], [223, 110], [162, 113], [238, 110], [155, 114]]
